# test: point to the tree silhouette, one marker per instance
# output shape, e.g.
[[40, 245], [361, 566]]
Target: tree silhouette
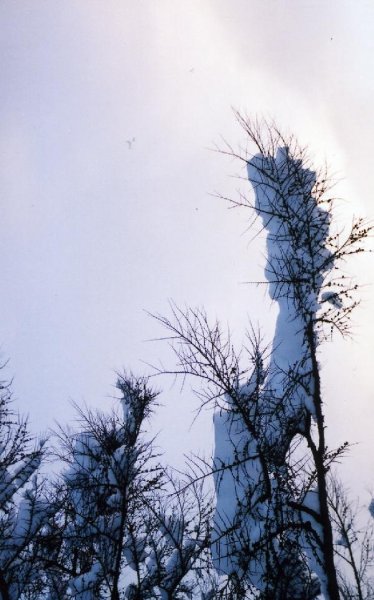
[[273, 521]]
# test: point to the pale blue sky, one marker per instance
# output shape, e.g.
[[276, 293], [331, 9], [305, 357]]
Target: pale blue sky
[[93, 231]]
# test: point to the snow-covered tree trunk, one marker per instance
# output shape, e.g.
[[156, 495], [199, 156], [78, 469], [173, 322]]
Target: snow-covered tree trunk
[[304, 279], [272, 525], [298, 263]]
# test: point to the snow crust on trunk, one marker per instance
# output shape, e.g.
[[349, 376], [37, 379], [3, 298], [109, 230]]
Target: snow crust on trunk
[[298, 260], [297, 228]]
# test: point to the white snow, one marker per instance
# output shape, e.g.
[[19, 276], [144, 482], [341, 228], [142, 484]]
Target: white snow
[[297, 229]]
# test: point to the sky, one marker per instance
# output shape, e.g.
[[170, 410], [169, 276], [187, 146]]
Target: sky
[[110, 113]]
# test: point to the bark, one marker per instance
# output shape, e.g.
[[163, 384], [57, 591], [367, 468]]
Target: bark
[[319, 452], [4, 589]]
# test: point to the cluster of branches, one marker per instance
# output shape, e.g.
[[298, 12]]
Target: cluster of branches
[[115, 523]]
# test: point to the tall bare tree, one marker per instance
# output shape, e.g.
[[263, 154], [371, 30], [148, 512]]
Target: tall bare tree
[[354, 543]]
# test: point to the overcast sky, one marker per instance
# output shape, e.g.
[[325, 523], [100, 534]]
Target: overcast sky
[[109, 111]]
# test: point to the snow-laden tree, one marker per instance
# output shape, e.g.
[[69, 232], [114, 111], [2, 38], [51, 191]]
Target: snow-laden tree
[[305, 253], [121, 528], [253, 544], [110, 474], [273, 522], [23, 508]]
